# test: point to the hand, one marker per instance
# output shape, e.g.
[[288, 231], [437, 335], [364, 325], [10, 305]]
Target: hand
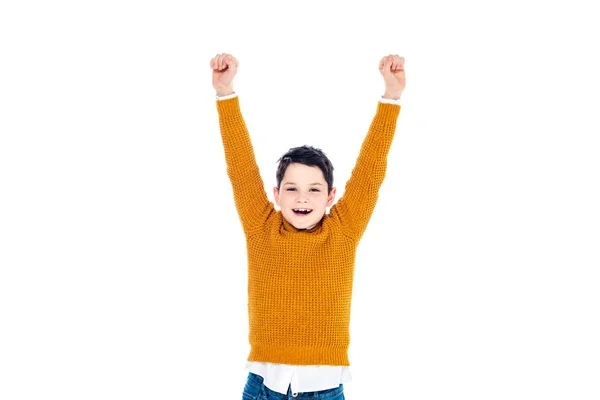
[[392, 69], [224, 68]]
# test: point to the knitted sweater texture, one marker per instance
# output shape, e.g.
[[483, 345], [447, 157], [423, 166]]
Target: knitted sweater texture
[[300, 281]]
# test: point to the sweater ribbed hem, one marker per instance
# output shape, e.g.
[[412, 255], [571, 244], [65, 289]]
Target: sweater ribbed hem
[[299, 355]]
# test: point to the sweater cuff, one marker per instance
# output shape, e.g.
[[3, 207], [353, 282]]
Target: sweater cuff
[[229, 106], [387, 110]]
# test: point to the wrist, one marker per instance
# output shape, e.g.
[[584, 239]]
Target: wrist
[[393, 95], [225, 91]]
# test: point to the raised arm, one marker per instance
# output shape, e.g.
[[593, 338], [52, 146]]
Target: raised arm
[[249, 194], [355, 207]]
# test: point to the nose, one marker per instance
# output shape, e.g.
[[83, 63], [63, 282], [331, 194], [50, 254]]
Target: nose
[[302, 199]]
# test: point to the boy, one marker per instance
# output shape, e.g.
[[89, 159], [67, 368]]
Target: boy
[[300, 259]]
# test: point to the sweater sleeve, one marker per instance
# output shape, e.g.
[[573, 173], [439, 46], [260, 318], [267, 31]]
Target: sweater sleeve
[[249, 194], [354, 209]]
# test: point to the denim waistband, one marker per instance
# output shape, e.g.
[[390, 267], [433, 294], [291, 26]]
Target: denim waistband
[[258, 382]]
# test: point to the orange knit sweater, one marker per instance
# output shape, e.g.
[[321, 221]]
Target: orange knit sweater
[[300, 281]]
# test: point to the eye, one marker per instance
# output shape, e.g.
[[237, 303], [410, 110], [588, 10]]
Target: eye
[[316, 190], [290, 189]]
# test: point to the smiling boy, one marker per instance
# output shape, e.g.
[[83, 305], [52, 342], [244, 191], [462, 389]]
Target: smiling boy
[[303, 192], [300, 258]]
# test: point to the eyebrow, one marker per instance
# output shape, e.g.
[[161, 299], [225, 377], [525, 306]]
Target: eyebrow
[[293, 183]]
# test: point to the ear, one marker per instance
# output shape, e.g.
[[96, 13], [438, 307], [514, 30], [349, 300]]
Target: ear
[[331, 197], [276, 195]]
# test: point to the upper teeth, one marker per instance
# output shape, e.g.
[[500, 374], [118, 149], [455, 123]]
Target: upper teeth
[[302, 209]]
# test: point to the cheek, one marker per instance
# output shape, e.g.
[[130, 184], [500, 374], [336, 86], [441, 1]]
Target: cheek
[[286, 199], [321, 200]]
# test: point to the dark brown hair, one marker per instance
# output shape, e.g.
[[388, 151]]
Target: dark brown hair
[[309, 156]]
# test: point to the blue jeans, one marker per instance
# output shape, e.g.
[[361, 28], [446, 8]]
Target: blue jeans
[[256, 390]]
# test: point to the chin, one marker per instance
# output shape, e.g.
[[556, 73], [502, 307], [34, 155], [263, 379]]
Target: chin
[[305, 224], [300, 222]]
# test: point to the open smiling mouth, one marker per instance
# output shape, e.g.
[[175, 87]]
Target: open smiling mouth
[[301, 211]]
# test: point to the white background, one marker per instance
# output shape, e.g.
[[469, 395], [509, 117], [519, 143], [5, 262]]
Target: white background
[[123, 269]]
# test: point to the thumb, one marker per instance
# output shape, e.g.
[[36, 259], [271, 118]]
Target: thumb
[[232, 63], [385, 64]]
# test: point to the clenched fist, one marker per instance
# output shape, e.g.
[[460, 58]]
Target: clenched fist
[[224, 68], [392, 69]]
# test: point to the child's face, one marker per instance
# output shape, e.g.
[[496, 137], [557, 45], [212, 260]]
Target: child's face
[[303, 187]]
